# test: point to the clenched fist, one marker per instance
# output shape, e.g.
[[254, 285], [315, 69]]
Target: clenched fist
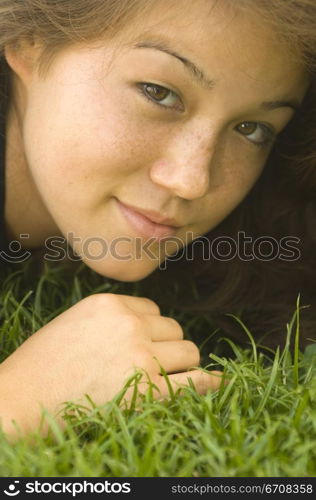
[[93, 348]]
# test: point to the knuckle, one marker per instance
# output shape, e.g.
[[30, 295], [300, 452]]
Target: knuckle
[[132, 323], [201, 382], [102, 300], [177, 328], [151, 304], [143, 358], [206, 381], [192, 351]]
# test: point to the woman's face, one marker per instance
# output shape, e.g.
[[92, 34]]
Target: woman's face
[[173, 121]]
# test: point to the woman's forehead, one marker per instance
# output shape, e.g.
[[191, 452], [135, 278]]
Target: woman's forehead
[[198, 27], [212, 44], [235, 45]]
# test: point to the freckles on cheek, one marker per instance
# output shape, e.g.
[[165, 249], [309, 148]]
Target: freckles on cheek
[[236, 184], [246, 171]]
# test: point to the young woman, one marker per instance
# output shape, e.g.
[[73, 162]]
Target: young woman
[[136, 127]]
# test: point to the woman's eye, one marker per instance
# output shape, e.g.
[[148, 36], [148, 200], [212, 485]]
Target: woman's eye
[[258, 133], [161, 96]]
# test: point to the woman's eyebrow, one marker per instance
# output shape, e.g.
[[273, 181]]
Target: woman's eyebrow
[[200, 76], [290, 103], [195, 71]]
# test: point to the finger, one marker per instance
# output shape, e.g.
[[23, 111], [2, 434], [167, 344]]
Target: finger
[[161, 328], [176, 356], [202, 381], [140, 304]]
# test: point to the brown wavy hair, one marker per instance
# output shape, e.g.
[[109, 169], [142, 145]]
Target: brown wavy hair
[[282, 202]]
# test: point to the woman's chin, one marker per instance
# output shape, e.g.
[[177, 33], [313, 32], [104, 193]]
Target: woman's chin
[[129, 271]]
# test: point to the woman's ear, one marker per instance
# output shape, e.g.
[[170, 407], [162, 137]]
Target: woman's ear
[[22, 57]]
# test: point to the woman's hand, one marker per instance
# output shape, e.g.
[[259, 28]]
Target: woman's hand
[[92, 348]]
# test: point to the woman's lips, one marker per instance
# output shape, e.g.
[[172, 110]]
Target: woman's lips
[[144, 226]]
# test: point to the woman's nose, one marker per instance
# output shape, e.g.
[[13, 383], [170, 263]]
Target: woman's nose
[[185, 168]]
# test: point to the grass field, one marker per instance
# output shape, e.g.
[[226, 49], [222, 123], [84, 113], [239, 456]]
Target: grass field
[[263, 423]]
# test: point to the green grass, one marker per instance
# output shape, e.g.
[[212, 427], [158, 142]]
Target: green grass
[[263, 423]]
